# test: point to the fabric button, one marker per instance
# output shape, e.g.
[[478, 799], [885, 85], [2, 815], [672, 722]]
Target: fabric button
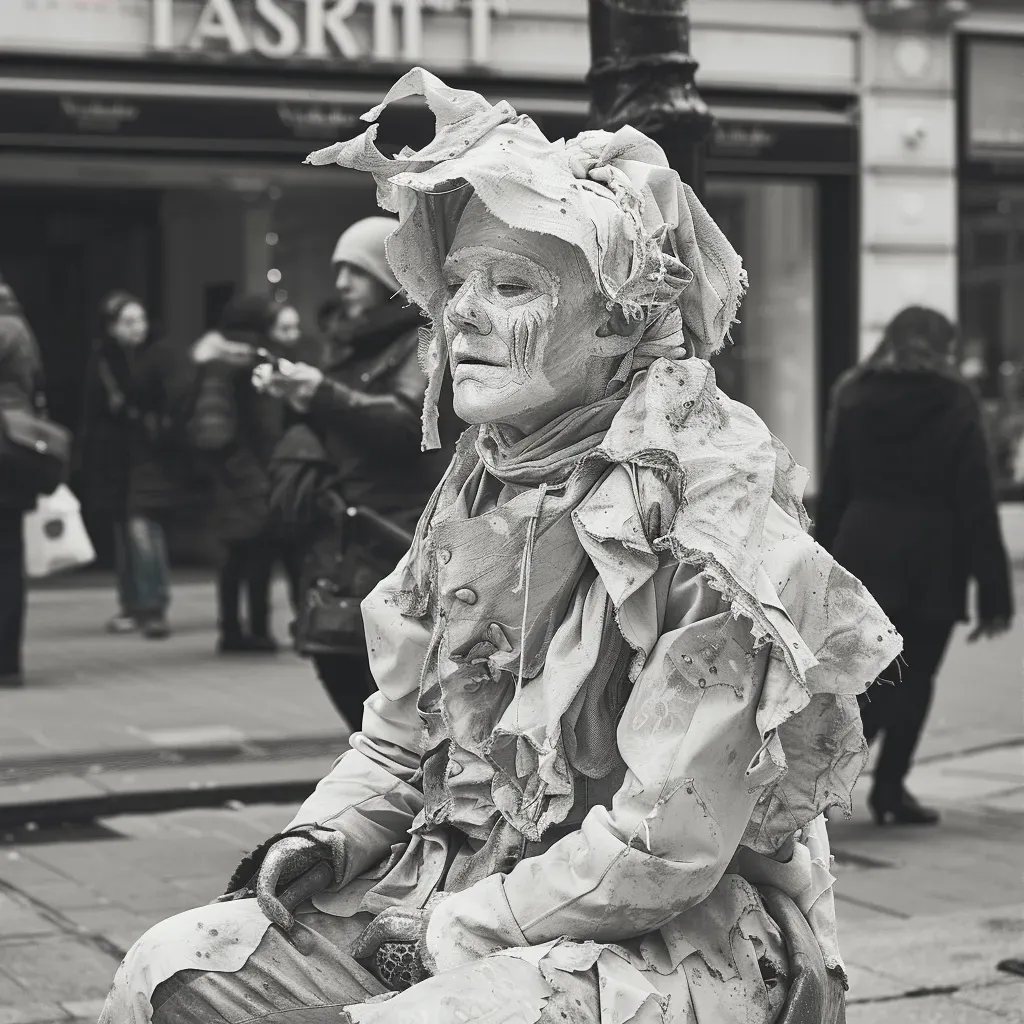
[[496, 635], [444, 556], [465, 595]]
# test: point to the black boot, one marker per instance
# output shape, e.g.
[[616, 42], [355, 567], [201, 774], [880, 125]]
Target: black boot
[[900, 808], [232, 641], [262, 643]]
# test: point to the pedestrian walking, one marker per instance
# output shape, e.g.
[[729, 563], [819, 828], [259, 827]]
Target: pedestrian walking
[[134, 470], [907, 505], [21, 370], [364, 407], [235, 430]]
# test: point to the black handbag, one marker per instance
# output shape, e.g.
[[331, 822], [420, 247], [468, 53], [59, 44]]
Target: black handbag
[[35, 452], [330, 620]]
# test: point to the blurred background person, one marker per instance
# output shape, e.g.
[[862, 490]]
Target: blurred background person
[[907, 505], [133, 467], [21, 381], [236, 429], [363, 406]]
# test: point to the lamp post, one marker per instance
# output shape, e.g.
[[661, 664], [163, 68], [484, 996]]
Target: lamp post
[[642, 74]]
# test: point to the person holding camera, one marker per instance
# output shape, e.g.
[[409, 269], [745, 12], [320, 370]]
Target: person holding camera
[[363, 406]]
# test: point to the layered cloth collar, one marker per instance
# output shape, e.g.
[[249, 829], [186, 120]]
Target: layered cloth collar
[[549, 455]]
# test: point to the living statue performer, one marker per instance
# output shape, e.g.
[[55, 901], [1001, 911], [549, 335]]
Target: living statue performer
[[618, 681]]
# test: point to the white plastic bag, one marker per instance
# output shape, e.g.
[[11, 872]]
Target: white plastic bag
[[55, 536]]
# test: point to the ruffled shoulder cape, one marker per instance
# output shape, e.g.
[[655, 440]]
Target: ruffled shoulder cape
[[701, 477]]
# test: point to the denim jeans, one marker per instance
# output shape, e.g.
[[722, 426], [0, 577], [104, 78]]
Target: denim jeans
[[140, 555]]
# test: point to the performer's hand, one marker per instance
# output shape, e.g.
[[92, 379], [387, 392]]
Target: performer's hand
[[394, 942], [286, 861]]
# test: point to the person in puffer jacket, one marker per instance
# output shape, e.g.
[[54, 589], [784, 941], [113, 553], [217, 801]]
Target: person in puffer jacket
[[234, 429]]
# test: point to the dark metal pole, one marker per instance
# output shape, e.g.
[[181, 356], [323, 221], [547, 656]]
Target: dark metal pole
[[642, 74]]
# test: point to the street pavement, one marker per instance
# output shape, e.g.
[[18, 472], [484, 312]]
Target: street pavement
[[925, 915], [87, 691]]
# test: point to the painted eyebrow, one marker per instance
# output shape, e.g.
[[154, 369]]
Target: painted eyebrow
[[474, 254]]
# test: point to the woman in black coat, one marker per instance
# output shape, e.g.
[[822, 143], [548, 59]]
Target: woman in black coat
[[907, 505], [134, 470]]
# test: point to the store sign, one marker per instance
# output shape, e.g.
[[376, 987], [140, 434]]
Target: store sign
[[195, 124], [316, 29], [821, 148], [98, 114], [318, 120], [995, 100]]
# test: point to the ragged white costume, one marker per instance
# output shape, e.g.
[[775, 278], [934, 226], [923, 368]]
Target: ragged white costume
[[617, 679]]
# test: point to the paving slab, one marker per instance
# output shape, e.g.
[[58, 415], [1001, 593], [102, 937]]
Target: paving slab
[[83, 973], [84, 1009], [1006, 1000], [19, 923], [934, 951], [923, 1010], [33, 1013], [116, 925], [86, 690]]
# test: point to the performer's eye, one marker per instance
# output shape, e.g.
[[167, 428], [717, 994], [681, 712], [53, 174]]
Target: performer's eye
[[454, 287], [512, 289]]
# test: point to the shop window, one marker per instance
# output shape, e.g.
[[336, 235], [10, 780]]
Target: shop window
[[992, 321], [772, 365]]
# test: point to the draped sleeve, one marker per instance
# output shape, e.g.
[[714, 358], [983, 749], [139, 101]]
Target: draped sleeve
[[689, 739], [367, 797]]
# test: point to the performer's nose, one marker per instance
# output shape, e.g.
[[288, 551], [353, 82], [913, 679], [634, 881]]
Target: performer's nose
[[467, 312]]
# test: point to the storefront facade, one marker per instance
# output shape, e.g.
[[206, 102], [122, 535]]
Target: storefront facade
[[991, 153], [157, 145]]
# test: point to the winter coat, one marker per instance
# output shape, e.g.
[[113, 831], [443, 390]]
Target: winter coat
[[238, 471], [907, 502], [374, 446], [131, 458], [21, 374]]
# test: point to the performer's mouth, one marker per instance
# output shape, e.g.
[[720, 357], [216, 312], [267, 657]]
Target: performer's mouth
[[471, 358], [459, 363]]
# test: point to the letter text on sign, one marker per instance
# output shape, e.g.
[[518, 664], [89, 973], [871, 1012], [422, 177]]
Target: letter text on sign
[[280, 29], [219, 20], [281, 23]]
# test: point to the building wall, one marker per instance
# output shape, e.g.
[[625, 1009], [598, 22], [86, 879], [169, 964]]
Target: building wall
[[774, 44], [908, 182]]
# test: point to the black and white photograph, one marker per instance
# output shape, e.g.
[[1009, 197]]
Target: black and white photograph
[[511, 511]]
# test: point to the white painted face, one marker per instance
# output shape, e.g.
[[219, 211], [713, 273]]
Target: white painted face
[[522, 319]]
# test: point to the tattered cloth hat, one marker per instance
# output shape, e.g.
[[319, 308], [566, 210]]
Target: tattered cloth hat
[[644, 234]]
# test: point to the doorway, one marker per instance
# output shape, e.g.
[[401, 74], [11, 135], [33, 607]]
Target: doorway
[[61, 251]]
